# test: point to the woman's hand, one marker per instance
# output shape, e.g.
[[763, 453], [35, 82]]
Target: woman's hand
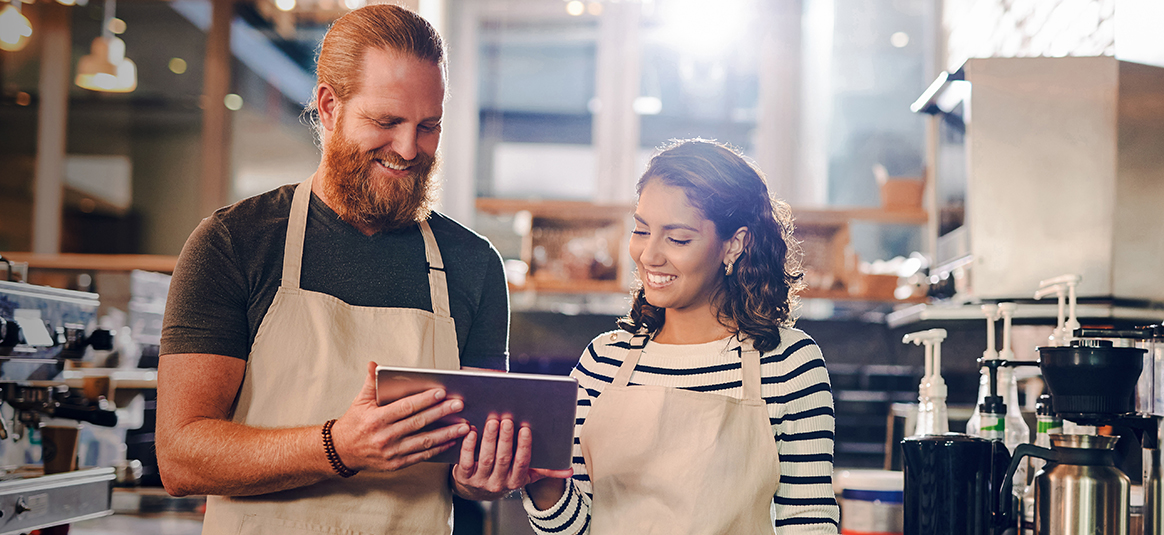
[[503, 466]]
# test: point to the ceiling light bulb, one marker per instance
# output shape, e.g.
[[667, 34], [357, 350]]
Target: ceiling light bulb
[[575, 8], [117, 26], [285, 5], [233, 102], [14, 29], [106, 68]]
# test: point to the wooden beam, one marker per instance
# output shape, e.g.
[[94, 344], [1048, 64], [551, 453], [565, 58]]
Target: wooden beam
[[95, 262], [55, 67], [216, 119]]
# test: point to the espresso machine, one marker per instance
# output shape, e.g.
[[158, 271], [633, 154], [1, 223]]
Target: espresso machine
[[41, 329]]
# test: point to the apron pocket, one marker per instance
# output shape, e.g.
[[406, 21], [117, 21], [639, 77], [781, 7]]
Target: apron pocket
[[258, 525]]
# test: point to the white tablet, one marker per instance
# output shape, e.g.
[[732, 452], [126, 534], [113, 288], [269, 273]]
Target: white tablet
[[544, 403]]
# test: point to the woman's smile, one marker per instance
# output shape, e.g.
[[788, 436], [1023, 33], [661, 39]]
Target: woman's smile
[[659, 280]]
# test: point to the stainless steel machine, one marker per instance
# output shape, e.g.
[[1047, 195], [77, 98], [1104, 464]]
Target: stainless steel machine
[[1041, 166], [40, 329], [1048, 165]]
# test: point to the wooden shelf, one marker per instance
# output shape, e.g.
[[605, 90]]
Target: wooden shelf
[[96, 262], [842, 295], [570, 287], [872, 215], [825, 231], [555, 209]]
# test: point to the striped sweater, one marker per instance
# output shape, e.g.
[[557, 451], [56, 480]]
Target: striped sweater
[[794, 384]]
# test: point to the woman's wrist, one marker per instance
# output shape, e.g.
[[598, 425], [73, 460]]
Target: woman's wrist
[[545, 493]]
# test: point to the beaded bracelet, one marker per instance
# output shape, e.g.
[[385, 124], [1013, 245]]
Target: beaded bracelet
[[332, 456]]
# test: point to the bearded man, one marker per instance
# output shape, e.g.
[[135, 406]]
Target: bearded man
[[282, 305]]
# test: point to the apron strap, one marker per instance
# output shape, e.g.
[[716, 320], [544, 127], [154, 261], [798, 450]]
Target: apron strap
[[637, 343], [296, 229], [438, 285], [750, 366]]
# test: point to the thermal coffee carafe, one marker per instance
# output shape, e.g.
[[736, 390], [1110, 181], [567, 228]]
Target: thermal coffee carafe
[[951, 482], [1079, 491]]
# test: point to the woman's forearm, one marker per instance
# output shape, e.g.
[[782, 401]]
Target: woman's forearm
[[546, 492]]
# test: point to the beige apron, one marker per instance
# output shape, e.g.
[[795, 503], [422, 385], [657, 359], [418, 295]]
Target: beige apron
[[670, 461], [308, 361]]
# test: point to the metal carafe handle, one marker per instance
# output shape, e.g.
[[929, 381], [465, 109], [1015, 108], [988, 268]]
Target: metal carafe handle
[[1023, 450]]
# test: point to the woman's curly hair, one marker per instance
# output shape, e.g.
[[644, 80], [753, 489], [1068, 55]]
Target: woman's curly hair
[[759, 296]]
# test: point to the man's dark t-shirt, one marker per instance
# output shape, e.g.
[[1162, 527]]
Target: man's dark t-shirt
[[232, 265]]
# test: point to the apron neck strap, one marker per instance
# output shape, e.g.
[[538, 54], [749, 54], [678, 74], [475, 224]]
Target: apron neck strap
[[637, 343], [750, 366], [296, 229], [437, 282], [749, 363]]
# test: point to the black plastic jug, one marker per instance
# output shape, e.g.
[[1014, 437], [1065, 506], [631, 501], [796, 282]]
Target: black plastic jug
[[952, 483]]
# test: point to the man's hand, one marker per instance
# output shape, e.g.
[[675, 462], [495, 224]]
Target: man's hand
[[371, 437], [502, 468]]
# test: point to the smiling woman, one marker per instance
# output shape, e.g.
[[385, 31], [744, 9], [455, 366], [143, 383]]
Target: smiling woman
[[707, 413], [707, 194]]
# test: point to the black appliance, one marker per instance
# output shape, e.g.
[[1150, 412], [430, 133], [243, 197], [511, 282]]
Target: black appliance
[[950, 484]]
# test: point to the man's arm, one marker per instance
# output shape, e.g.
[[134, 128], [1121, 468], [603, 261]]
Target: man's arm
[[200, 451]]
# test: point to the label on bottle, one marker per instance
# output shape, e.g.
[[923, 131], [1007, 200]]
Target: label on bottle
[[992, 426], [1048, 426]]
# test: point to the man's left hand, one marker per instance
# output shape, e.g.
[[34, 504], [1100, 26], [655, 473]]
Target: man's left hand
[[502, 468]]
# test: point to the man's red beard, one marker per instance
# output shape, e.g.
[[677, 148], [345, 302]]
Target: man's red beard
[[369, 202]]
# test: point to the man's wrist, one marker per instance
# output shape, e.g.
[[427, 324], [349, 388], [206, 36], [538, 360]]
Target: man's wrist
[[333, 456]]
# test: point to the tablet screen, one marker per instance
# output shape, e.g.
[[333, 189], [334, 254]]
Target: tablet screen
[[544, 403]]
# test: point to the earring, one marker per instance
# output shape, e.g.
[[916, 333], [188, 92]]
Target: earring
[[728, 267]]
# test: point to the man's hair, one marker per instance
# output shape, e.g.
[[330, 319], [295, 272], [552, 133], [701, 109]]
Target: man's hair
[[340, 63]]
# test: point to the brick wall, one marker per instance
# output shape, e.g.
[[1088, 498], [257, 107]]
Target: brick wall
[[1022, 28]]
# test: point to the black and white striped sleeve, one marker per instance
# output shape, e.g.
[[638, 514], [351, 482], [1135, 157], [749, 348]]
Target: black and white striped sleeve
[[571, 515], [803, 422]]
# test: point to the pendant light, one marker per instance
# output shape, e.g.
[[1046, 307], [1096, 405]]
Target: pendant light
[[106, 68], [14, 27]]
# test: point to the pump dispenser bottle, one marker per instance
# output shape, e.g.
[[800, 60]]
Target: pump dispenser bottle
[[1063, 287], [974, 424], [932, 418], [1016, 429]]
